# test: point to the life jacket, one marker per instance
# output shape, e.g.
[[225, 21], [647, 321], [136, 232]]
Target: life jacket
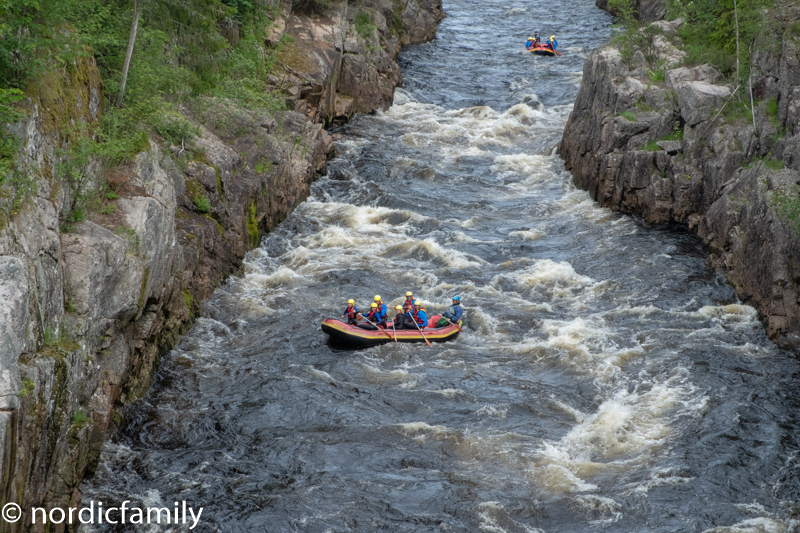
[[415, 315], [408, 304], [351, 312]]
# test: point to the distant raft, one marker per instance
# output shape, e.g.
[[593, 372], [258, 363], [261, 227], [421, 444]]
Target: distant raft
[[541, 51], [347, 335]]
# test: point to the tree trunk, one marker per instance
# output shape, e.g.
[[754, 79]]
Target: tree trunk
[[131, 41]]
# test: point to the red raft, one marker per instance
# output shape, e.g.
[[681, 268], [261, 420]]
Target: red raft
[[343, 333], [541, 51]]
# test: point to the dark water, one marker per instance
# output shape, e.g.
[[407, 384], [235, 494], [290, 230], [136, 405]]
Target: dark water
[[607, 381]]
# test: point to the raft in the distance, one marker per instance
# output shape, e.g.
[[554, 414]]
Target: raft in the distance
[[345, 334], [541, 51]]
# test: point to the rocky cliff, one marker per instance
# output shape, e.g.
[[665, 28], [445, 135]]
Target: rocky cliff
[[342, 62], [652, 137], [88, 308]]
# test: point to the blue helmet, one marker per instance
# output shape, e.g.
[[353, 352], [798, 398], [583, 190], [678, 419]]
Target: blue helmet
[[457, 298]]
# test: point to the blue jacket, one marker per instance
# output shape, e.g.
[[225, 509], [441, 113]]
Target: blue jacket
[[421, 318], [355, 312], [453, 313], [382, 312]]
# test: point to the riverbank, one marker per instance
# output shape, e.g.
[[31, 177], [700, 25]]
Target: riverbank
[[92, 302], [655, 135]]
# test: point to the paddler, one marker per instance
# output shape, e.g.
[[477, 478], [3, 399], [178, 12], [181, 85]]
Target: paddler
[[351, 312], [553, 44], [400, 317], [534, 41], [409, 303], [418, 315], [382, 309], [453, 313], [373, 316]]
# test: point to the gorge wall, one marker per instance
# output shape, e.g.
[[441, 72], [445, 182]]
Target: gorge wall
[[654, 137], [89, 308]]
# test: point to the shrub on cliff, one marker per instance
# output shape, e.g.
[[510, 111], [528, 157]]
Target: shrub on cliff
[[709, 31], [184, 49]]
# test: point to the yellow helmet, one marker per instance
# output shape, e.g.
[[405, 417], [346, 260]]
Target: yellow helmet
[[374, 305], [530, 38], [409, 293], [552, 37], [351, 301], [399, 307], [377, 298]]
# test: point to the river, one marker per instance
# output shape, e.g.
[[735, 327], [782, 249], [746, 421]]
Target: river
[[606, 379]]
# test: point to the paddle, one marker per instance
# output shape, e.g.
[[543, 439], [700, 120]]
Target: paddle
[[376, 326], [394, 332], [454, 323], [420, 331]]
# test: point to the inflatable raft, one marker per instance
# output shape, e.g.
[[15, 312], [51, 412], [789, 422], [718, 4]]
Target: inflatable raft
[[345, 334], [541, 51]]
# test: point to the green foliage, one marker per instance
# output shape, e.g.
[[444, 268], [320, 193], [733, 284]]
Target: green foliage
[[771, 107], [179, 56], [252, 225], [737, 109], [28, 387], [628, 115], [709, 31], [202, 203], [624, 11], [263, 168], [311, 6], [9, 143], [771, 110], [657, 75], [61, 342], [78, 418], [768, 162], [364, 25], [676, 134], [652, 146], [187, 297]]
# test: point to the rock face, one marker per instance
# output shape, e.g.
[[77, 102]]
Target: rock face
[[663, 150], [335, 65], [88, 310]]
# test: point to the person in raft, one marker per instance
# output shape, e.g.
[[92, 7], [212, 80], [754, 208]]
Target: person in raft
[[553, 45], [409, 303], [373, 316], [534, 41], [418, 316], [400, 318], [384, 311], [452, 315], [351, 312]]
